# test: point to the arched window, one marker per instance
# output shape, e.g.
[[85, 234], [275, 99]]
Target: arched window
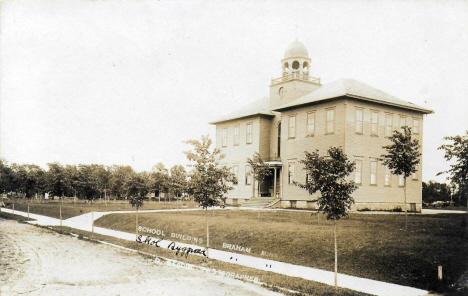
[[295, 65], [279, 140], [305, 66]]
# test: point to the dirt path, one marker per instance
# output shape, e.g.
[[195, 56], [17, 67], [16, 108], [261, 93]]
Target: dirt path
[[35, 261]]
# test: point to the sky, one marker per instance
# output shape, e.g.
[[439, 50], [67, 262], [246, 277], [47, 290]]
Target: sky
[[127, 82]]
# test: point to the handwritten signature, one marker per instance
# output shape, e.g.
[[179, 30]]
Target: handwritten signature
[[172, 246]]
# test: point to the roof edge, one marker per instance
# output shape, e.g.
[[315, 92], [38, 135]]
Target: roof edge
[[240, 117]]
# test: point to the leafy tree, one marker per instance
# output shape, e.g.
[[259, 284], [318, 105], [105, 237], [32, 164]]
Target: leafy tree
[[207, 179], [71, 179], [118, 177], [402, 158], [56, 182], [178, 180], [457, 150], [260, 170], [327, 175], [6, 176], [136, 191], [88, 186], [159, 179], [435, 191]]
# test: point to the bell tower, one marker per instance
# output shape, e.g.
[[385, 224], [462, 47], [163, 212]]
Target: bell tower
[[295, 80]]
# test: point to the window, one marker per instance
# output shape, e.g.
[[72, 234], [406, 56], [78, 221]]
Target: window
[[401, 180], [374, 123], [330, 119], [235, 171], [236, 136], [292, 127], [388, 177], [415, 126], [402, 121], [373, 172], [358, 172], [224, 137], [308, 178], [291, 172], [311, 123], [248, 131], [279, 140], [388, 125], [358, 128], [248, 175], [415, 174]]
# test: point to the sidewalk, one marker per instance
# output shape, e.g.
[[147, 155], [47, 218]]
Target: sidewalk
[[369, 286]]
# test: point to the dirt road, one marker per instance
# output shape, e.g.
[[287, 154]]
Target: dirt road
[[35, 261]]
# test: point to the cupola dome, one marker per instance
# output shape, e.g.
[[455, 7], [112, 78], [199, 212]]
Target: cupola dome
[[296, 49]]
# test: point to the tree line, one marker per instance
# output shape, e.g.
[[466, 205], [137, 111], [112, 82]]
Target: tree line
[[89, 181]]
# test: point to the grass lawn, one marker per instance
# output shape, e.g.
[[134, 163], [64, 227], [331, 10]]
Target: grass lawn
[[369, 246], [71, 209]]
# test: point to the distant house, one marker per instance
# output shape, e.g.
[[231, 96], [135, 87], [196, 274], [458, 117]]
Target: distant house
[[302, 114]]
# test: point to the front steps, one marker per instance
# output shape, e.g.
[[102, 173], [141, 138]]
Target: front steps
[[258, 202]]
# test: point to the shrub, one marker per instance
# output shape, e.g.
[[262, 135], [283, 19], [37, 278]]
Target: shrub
[[397, 209], [364, 210]]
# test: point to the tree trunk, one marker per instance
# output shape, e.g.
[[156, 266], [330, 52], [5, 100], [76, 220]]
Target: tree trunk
[[60, 209], [92, 222], [207, 233], [136, 223], [336, 260], [28, 210], [406, 212]]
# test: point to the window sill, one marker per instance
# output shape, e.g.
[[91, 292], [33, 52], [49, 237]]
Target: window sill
[[414, 179], [310, 136], [358, 184], [401, 186], [373, 185], [291, 138], [358, 133], [375, 136], [387, 185], [329, 134]]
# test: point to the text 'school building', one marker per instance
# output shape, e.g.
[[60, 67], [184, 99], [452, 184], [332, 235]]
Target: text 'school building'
[[302, 114]]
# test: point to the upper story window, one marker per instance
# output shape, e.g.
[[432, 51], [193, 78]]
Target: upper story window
[[374, 123], [415, 126], [291, 172], [248, 175], [224, 137], [402, 121], [236, 135], [330, 121], [415, 174], [359, 117], [401, 181], [311, 123], [373, 172], [235, 171], [292, 127], [388, 125], [358, 172], [388, 176], [248, 130]]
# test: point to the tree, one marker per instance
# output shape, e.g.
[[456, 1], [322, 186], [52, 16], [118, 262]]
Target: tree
[[178, 180], [402, 158], [136, 191], [56, 179], [159, 179], [435, 191], [260, 170], [207, 179], [458, 172], [327, 175], [118, 177]]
